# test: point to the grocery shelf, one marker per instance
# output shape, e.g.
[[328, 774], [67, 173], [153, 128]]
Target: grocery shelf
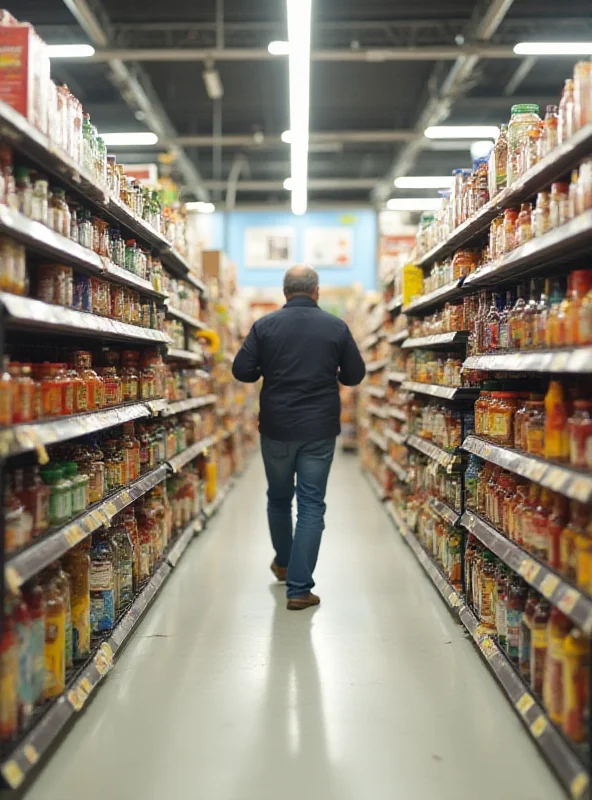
[[559, 754], [399, 471], [376, 411], [573, 602], [375, 391], [175, 354], [38, 742], [398, 413], [448, 592], [140, 228], [397, 338], [213, 507], [557, 245], [433, 451], [28, 437], [183, 541], [443, 392], [395, 303], [378, 440], [454, 338], [550, 168], [195, 282], [436, 298], [22, 566], [567, 481], [25, 312], [127, 278], [180, 406], [179, 461], [371, 341], [181, 315], [374, 366], [378, 490], [444, 510], [577, 360], [16, 130], [397, 377], [395, 436]]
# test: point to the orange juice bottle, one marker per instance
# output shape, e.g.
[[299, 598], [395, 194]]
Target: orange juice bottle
[[556, 432]]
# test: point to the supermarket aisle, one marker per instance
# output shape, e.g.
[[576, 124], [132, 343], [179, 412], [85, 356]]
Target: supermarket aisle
[[224, 695]]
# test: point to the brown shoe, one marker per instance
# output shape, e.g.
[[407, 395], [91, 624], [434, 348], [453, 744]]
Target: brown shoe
[[300, 603], [281, 573]]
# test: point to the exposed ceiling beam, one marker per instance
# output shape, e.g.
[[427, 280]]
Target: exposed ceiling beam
[[314, 184], [439, 105], [136, 89], [261, 141], [519, 75], [369, 55]]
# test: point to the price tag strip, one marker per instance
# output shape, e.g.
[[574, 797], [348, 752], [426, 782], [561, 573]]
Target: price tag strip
[[571, 601]]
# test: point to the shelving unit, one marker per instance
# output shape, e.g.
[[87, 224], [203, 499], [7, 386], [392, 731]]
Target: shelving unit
[[546, 255], [64, 328]]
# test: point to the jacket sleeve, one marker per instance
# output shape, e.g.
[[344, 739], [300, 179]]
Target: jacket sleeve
[[246, 367], [352, 369]]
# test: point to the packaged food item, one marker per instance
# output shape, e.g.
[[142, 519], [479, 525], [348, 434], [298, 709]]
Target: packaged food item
[[539, 645], [556, 424], [9, 678], [55, 638], [77, 565], [102, 584], [576, 683], [524, 117]]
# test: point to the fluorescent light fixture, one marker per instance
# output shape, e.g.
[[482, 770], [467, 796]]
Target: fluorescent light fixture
[[462, 132], [424, 182], [286, 137], [203, 208], [553, 48], [299, 20], [70, 50], [140, 139], [279, 48], [213, 83], [288, 183], [481, 149], [414, 204]]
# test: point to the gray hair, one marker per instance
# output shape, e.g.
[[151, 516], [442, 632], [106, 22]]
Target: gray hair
[[300, 280]]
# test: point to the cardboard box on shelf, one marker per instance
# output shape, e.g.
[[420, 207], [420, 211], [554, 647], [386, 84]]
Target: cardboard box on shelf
[[24, 71], [219, 275]]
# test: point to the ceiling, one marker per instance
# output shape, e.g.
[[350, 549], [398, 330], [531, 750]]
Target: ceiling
[[349, 93]]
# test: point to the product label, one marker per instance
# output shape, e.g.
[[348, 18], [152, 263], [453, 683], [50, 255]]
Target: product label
[[102, 611], [101, 576], [500, 425]]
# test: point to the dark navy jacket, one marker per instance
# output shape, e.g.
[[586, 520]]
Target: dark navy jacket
[[301, 352]]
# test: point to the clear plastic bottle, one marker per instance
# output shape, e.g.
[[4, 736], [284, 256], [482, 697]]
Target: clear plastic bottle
[[524, 117]]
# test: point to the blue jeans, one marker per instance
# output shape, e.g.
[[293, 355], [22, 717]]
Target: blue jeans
[[310, 462]]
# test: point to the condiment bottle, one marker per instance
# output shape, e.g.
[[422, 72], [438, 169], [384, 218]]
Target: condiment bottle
[[581, 284], [576, 682], [524, 231], [524, 639], [557, 522], [539, 645], [565, 125], [35, 599], [77, 566], [550, 125], [6, 394], [102, 584], [556, 433], [557, 630], [9, 678], [578, 519], [517, 594], [540, 215], [580, 435], [55, 638], [539, 535]]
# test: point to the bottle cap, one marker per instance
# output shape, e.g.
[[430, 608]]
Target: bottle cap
[[525, 108]]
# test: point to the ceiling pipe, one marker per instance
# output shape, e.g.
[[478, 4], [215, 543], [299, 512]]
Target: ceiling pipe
[[322, 137], [438, 107], [314, 184], [368, 55]]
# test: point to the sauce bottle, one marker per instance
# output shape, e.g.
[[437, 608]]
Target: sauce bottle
[[539, 645], [558, 629], [77, 567], [9, 678], [581, 284], [557, 522], [517, 594], [578, 518], [525, 635], [556, 433], [539, 530], [102, 584], [23, 622], [35, 599], [55, 638], [501, 606], [576, 682]]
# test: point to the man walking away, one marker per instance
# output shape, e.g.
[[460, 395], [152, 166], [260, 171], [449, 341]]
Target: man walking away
[[302, 353]]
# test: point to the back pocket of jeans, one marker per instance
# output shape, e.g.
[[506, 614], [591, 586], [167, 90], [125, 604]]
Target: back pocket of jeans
[[274, 449]]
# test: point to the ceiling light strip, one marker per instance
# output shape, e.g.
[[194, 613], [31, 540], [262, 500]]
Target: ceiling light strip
[[299, 22]]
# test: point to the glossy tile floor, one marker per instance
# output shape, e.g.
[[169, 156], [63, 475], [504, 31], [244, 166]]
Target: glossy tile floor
[[225, 695]]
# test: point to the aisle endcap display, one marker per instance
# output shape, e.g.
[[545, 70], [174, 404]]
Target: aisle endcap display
[[574, 235], [576, 361], [437, 340], [443, 392], [568, 482], [24, 565], [575, 604], [36, 315]]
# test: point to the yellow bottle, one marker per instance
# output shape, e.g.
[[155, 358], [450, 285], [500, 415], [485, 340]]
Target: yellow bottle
[[556, 433], [55, 640], [77, 567], [211, 479]]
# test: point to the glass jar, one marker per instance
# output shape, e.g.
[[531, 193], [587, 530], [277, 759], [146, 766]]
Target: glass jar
[[58, 217], [558, 204], [80, 490], [498, 164], [60, 497], [524, 231], [509, 230], [550, 124], [580, 435], [501, 417], [541, 215], [524, 117], [112, 385], [40, 201]]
